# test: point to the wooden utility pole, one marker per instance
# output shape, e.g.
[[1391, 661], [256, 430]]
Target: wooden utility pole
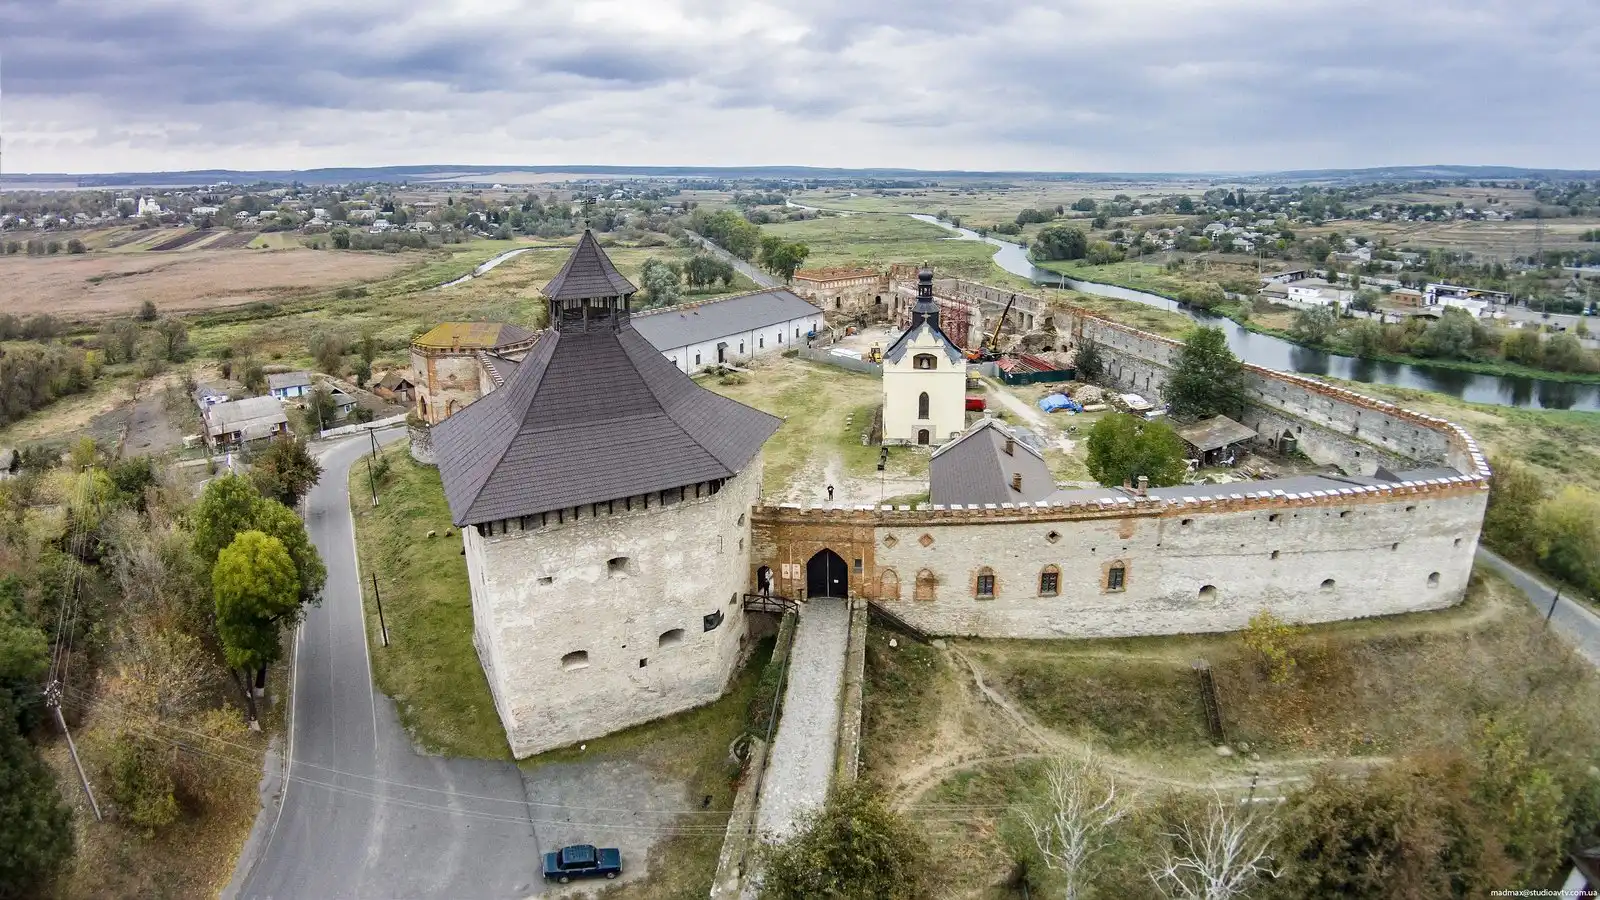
[[52, 698]]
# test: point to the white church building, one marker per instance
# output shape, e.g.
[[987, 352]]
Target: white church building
[[924, 378], [602, 497]]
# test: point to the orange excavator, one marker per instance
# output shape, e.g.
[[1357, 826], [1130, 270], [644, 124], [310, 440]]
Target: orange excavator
[[990, 349]]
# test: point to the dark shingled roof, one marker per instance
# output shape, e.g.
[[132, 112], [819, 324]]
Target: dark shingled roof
[[590, 416], [588, 273], [975, 469]]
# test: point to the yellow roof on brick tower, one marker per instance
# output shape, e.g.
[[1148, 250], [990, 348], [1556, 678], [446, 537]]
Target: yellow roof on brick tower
[[472, 335]]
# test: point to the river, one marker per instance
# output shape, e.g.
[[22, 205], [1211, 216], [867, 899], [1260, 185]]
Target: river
[[1272, 352], [487, 266]]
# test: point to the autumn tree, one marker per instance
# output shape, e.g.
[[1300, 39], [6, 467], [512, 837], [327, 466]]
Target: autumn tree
[[1207, 379], [854, 848], [256, 590], [1123, 447], [285, 471]]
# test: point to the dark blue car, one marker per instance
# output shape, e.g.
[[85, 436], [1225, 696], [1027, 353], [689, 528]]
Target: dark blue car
[[582, 861]]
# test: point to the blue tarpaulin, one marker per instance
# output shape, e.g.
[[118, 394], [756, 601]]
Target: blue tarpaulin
[[1058, 402]]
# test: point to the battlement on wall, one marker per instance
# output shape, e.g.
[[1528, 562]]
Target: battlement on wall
[[1260, 497], [842, 273]]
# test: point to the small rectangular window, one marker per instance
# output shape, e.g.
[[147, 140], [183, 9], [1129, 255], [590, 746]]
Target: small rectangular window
[[857, 565], [1115, 577], [986, 585], [713, 620], [1049, 584]]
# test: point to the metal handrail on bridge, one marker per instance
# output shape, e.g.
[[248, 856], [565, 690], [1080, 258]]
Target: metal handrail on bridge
[[772, 603]]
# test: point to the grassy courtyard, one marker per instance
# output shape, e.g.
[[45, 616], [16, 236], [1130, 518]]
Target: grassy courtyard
[[825, 411]]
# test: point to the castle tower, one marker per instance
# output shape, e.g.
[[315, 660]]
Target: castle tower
[[924, 378], [603, 500]]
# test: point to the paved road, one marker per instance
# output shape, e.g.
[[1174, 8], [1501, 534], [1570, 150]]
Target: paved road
[[801, 766], [363, 815], [764, 279], [1576, 622]]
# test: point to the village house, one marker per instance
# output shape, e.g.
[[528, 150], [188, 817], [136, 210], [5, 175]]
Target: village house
[[395, 386], [988, 464], [732, 330], [289, 385], [242, 421]]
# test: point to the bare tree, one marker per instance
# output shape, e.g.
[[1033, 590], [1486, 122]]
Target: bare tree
[[1218, 858], [1073, 820]]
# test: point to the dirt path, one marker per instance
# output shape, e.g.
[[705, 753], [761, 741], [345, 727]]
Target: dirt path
[[811, 485], [1264, 774]]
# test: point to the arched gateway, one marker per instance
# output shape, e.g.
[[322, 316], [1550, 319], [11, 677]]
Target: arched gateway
[[826, 575]]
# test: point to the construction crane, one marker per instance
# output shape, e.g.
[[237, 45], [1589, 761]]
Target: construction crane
[[990, 349]]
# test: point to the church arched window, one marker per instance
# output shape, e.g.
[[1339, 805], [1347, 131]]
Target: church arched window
[[922, 405]]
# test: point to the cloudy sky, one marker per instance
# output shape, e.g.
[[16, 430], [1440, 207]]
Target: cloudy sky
[[1102, 85]]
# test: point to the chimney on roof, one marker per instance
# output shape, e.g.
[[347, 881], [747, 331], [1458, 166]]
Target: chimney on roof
[[1144, 485], [1016, 481], [1011, 445]]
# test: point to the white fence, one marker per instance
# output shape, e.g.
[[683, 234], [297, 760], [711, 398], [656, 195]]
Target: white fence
[[359, 427]]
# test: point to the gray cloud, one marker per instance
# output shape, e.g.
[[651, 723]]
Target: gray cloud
[[980, 84]]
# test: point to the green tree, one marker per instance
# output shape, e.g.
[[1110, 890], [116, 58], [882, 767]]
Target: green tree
[[1563, 353], [1274, 642], [321, 411], [660, 282], [1451, 337], [226, 507], [1060, 241], [367, 347], [174, 339], [141, 784], [256, 589], [252, 375], [1511, 522], [328, 350], [285, 471], [278, 521], [782, 257], [230, 506], [1569, 529], [854, 848], [1365, 337], [1123, 447], [1315, 325], [35, 826], [76, 246], [1207, 379], [1523, 345], [1409, 830], [1087, 362]]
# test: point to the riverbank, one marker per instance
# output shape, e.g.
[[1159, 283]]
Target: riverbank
[[1124, 276], [1240, 312]]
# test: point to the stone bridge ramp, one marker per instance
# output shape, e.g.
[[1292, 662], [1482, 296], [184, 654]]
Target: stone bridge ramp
[[801, 763]]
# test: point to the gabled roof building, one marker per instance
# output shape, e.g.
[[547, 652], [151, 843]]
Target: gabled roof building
[[924, 377]]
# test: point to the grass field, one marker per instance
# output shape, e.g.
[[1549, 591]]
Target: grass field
[[91, 286], [430, 668], [395, 309], [876, 241]]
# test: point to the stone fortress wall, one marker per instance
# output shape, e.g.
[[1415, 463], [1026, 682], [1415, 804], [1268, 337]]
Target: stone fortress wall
[[588, 625], [1141, 565]]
